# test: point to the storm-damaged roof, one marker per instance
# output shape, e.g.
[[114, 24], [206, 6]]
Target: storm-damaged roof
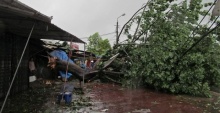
[[18, 18]]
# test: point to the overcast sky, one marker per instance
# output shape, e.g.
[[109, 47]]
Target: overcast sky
[[83, 18]]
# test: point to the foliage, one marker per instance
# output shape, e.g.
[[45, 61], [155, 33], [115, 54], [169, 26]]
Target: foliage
[[97, 45], [166, 32]]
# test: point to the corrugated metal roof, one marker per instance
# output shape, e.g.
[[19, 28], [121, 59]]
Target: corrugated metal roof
[[18, 18]]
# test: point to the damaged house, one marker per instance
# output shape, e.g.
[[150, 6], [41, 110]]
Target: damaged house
[[21, 29]]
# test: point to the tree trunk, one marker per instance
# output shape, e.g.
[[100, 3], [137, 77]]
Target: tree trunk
[[75, 70]]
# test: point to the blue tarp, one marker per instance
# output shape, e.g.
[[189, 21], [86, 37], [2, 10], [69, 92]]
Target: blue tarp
[[62, 56]]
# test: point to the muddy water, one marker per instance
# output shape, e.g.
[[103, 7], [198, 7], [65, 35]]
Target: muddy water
[[116, 99], [109, 98]]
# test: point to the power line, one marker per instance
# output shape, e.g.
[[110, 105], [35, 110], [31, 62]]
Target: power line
[[196, 28], [100, 35], [194, 44], [108, 34]]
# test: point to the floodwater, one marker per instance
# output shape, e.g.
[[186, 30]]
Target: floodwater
[[96, 97], [115, 99]]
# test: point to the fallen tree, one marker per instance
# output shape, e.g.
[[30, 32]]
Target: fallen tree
[[77, 71]]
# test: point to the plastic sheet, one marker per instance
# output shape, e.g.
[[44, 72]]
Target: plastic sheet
[[62, 56]]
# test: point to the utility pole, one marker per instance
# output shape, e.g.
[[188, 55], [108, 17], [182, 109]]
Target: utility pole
[[117, 33], [117, 37]]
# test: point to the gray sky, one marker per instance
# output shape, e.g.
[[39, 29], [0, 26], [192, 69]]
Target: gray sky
[[83, 18]]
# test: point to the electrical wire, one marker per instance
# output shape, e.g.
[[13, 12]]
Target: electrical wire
[[199, 41], [213, 23], [100, 35], [188, 39], [203, 18]]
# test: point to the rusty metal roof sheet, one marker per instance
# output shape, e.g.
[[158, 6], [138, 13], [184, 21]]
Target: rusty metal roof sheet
[[18, 18]]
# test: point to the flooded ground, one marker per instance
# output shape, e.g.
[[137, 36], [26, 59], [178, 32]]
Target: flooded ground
[[116, 99], [99, 97]]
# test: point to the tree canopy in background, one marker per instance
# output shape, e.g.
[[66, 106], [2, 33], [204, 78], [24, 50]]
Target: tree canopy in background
[[170, 55], [98, 45]]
